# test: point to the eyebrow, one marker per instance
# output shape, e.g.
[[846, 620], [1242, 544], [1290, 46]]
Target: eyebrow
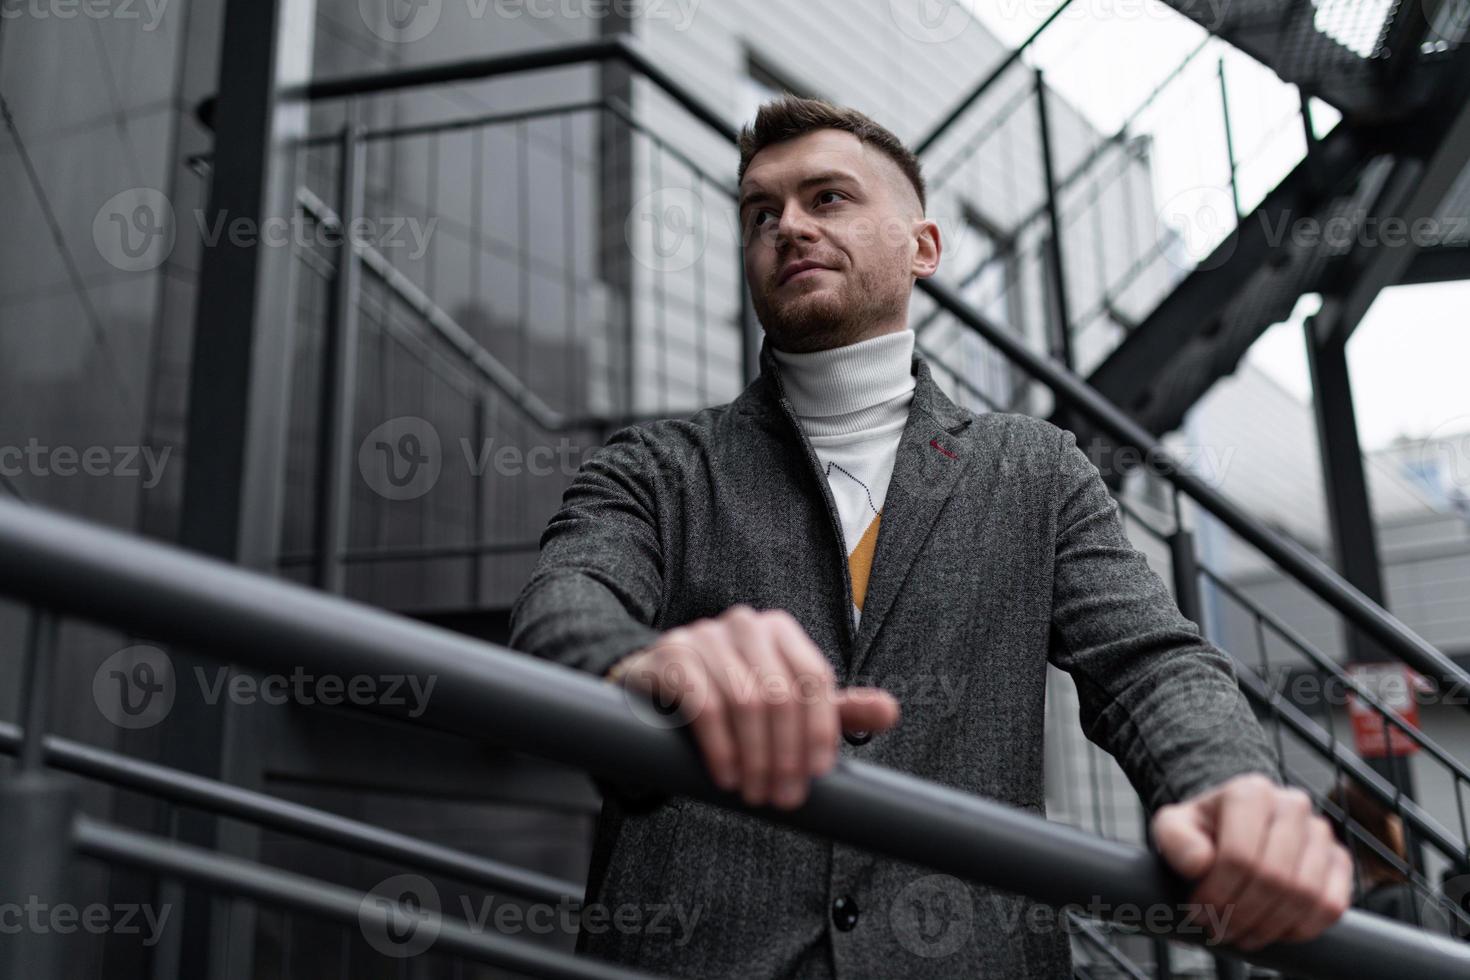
[[825, 177]]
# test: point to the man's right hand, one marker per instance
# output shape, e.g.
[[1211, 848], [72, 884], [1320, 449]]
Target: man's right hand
[[760, 697]]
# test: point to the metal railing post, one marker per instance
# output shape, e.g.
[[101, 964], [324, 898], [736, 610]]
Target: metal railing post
[[1229, 139], [36, 810], [339, 374], [1061, 343], [1185, 565], [480, 484]]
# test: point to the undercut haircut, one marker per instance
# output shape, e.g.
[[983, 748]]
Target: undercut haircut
[[791, 116]]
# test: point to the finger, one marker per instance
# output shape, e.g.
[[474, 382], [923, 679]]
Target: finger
[[816, 686], [786, 765], [1273, 900], [740, 688], [711, 724], [1243, 815], [1182, 835], [1331, 868], [866, 709]]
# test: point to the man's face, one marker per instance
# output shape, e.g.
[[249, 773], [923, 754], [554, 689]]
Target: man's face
[[830, 201]]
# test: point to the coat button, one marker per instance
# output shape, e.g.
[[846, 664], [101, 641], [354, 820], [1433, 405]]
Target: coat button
[[862, 737], [844, 913]]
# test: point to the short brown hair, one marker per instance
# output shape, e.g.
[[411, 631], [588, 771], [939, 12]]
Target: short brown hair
[[791, 116]]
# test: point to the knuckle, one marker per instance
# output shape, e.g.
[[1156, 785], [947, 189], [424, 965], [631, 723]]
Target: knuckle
[[1294, 800], [739, 613]]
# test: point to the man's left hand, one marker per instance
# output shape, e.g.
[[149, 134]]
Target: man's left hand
[[1269, 867]]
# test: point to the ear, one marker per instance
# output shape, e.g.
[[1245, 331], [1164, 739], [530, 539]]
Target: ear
[[926, 256]]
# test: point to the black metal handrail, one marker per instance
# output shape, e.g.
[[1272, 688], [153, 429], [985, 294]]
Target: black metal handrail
[[287, 889], [264, 810], [71, 567]]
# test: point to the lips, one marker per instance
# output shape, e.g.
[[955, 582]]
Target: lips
[[798, 267]]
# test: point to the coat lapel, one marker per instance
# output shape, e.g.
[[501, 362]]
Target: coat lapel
[[932, 455]]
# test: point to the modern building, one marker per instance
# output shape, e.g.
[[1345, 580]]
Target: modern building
[[541, 248]]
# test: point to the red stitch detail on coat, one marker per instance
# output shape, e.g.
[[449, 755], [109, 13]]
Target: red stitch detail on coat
[[936, 445]]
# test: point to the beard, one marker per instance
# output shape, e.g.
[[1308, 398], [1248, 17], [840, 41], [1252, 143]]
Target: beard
[[810, 319]]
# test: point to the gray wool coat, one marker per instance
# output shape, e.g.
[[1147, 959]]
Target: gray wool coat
[[1000, 550]]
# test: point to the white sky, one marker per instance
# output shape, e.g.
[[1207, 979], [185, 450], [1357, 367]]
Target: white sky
[[1410, 357]]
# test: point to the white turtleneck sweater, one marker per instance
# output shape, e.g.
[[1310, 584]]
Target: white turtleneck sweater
[[852, 403]]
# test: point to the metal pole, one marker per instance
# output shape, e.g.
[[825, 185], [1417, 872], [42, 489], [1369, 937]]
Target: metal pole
[[480, 484], [385, 919], [1185, 567], [36, 811], [1350, 513], [1062, 318], [1229, 139], [35, 689], [339, 373]]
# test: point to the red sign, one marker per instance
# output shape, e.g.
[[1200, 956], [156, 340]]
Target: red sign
[[1396, 687]]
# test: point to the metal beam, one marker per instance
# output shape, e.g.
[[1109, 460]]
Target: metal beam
[[1442, 263], [1131, 374], [239, 388], [1411, 199]]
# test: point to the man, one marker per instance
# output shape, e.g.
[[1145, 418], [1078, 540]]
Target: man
[[842, 520]]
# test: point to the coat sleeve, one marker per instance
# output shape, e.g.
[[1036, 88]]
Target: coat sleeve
[[1153, 692], [598, 583]]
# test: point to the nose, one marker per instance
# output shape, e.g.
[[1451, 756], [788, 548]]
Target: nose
[[795, 225]]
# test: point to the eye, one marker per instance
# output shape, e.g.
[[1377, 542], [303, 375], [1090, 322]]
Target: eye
[[755, 218], [825, 193]]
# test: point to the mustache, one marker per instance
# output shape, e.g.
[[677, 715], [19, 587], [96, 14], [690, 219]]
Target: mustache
[[774, 279]]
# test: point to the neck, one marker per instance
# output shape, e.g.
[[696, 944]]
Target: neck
[[850, 388]]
